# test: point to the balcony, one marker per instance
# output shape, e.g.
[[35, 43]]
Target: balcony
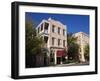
[[46, 41], [43, 29], [46, 31]]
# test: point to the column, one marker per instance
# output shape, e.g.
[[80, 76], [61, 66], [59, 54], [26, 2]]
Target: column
[[55, 57], [83, 58], [43, 26]]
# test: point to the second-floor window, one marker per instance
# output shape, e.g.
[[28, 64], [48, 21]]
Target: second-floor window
[[58, 30], [53, 40], [59, 42], [63, 43]]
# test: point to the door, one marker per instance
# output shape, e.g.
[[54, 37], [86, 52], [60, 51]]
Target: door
[[58, 60]]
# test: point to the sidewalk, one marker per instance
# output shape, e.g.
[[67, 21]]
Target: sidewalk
[[71, 64]]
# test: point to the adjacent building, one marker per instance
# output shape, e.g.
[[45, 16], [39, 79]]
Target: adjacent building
[[54, 34], [82, 40]]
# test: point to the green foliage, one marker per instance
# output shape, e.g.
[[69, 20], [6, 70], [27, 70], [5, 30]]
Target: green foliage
[[86, 53], [33, 42], [71, 39], [73, 48]]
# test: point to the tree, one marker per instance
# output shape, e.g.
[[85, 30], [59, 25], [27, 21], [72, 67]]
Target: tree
[[33, 44], [86, 53], [73, 48]]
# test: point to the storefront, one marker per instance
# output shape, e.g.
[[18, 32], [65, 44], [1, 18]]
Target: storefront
[[60, 56]]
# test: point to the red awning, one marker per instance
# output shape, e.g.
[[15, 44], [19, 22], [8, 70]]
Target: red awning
[[60, 53]]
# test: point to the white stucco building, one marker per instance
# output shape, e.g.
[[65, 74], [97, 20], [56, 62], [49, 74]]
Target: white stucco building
[[82, 40], [54, 34]]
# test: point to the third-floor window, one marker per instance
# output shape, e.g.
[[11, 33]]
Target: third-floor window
[[64, 32], [58, 30], [53, 28], [41, 26]]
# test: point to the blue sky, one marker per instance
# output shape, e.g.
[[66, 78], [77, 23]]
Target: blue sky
[[75, 23]]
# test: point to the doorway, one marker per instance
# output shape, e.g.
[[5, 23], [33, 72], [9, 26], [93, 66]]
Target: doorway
[[59, 59]]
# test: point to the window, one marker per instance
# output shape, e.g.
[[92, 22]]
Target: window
[[53, 28], [58, 30], [53, 40], [41, 27], [46, 25], [64, 32], [59, 40], [63, 43]]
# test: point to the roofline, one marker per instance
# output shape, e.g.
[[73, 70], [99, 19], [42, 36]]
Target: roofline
[[41, 23], [81, 32]]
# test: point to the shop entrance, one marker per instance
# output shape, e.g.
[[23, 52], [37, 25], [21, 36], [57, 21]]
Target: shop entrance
[[60, 54], [59, 59]]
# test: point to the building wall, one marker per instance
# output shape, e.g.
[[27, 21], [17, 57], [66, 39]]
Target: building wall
[[55, 35], [82, 40]]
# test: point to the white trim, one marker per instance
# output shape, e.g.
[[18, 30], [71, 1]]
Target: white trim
[[52, 70]]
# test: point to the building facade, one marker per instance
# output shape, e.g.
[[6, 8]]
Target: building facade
[[54, 34], [82, 40]]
